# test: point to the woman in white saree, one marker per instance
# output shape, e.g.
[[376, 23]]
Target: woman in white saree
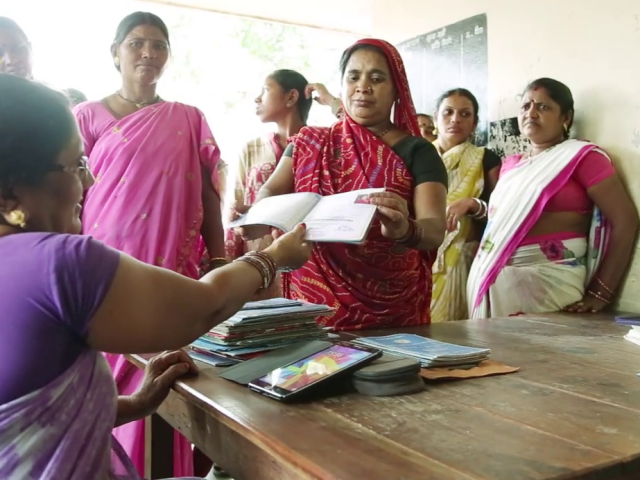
[[561, 225]]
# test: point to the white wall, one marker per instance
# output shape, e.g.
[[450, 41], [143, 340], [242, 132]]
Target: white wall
[[591, 46], [352, 16]]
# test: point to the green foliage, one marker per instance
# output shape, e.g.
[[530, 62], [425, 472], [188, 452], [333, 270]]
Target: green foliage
[[275, 45]]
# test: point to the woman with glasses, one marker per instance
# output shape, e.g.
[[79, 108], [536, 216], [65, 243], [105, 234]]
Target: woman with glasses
[[157, 190], [67, 297]]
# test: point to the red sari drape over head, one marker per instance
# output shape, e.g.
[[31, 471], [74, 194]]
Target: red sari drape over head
[[379, 283]]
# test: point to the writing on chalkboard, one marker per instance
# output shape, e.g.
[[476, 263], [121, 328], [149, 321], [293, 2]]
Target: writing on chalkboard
[[450, 57]]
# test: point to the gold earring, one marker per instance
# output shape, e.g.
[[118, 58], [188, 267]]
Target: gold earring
[[17, 218], [117, 60]]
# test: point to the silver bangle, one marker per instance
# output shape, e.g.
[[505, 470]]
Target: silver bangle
[[482, 209]]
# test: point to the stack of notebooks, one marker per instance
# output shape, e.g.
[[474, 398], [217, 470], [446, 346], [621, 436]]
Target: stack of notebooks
[[430, 353], [260, 327]]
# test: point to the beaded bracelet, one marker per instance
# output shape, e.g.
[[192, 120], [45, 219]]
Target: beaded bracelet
[[413, 237], [597, 296], [602, 284]]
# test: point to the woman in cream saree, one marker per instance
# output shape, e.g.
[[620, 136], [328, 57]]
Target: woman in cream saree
[[561, 226]]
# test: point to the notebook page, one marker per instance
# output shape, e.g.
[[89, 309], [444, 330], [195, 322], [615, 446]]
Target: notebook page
[[339, 218], [281, 211]]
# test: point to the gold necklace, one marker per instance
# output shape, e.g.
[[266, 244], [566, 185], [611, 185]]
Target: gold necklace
[[383, 133], [156, 99], [530, 152]]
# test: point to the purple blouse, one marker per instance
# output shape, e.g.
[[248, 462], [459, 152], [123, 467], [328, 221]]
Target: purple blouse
[[51, 286]]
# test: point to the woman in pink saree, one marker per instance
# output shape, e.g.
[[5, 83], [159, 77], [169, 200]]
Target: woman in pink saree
[[157, 184]]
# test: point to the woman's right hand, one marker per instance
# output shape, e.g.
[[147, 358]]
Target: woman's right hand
[[323, 96], [290, 251]]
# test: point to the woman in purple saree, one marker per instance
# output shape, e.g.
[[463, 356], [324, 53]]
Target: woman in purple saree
[[158, 185], [67, 297]]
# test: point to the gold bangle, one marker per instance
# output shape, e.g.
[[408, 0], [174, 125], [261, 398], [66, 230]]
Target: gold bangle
[[217, 263]]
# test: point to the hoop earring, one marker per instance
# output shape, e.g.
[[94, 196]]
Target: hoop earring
[[17, 218]]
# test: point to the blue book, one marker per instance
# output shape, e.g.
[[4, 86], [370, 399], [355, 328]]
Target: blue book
[[631, 320], [213, 359], [430, 352]]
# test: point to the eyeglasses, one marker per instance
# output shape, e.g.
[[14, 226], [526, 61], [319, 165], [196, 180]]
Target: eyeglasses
[[82, 170]]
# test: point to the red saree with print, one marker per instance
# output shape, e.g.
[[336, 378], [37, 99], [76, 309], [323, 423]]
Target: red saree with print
[[379, 283]]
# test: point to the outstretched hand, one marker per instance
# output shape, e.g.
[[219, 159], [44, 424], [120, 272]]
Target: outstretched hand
[[290, 251]]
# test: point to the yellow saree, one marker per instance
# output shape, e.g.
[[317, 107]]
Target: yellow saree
[[452, 265]]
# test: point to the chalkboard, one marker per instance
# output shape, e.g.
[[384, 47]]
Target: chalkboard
[[451, 57]]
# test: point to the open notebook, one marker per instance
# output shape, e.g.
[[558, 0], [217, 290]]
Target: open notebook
[[341, 218]]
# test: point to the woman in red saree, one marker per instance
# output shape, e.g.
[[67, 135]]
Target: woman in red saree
[[385, 282]]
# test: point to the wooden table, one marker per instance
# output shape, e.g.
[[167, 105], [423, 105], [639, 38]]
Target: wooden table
[[572, 412]]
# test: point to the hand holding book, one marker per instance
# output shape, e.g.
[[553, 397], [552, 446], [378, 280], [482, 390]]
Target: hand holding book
[[393, 213], [342, 218], [249, 232]]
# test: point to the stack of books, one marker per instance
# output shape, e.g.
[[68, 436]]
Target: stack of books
[[260, 327], [430, 353]]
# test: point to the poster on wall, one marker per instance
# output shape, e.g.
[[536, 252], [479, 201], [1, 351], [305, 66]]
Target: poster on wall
[[451, 57], [505, 138]]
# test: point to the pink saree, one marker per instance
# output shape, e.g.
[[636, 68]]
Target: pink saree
[[147, 202]]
